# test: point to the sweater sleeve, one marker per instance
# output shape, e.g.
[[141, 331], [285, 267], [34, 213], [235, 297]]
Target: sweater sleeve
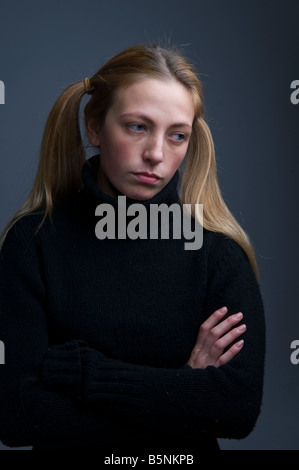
[[31, 415], [223, 401]]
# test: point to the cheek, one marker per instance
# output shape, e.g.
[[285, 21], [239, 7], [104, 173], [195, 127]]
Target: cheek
[[120, 158], [114, 154], [177, 159]]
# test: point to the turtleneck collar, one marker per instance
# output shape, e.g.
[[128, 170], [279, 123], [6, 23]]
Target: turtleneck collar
[[168, 195]]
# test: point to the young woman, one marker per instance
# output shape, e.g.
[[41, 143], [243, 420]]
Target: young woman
[[115, 342]]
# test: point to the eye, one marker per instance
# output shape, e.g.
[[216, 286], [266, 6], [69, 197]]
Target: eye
[[178, 137], [136, 127]]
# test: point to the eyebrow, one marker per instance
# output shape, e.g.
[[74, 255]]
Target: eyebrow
[[143, 117]]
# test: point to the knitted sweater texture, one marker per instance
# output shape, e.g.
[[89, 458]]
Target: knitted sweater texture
[[98, 333]]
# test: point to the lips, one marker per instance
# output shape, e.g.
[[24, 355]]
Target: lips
[[146, 177]]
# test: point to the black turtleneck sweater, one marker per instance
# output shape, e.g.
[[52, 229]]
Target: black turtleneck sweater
[[98, 333]]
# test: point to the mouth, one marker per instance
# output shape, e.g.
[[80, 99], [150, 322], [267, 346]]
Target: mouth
[[146, 177]]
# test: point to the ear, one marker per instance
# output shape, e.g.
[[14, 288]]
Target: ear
[[93, 132]]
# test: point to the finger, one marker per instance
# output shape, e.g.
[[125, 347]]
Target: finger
[[218, 348], [217, 357], [227, 324], [230, 353], [215, 351], [211, 321], [207, 340]]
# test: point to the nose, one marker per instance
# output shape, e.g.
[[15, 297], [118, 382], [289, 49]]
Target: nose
[[154, 150]]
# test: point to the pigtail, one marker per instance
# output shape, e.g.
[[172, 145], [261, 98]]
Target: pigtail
[[200, 186], [62, 152]]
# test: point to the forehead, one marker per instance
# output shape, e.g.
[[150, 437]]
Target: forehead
[[159, 99]]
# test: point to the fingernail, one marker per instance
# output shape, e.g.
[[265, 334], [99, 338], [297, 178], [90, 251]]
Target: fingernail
[[223, 310], [242, 327], [239, 315], [240, 343]]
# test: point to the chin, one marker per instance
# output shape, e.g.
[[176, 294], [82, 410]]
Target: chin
[[141, 195]]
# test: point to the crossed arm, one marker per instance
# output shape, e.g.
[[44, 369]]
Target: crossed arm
[[40, 387]]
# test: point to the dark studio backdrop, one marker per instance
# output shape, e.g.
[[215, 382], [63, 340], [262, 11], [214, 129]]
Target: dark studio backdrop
[[247, 55]]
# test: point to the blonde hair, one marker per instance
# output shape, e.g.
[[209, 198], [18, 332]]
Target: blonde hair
[[62, 152]]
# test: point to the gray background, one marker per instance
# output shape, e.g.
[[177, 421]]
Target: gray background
[[247, 55]]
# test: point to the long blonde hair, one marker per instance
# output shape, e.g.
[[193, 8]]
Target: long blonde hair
[[62, 152]]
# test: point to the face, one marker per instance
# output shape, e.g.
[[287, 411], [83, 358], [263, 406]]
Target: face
[[144, 138]]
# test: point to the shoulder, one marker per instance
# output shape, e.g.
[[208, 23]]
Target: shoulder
[[31, 225], [225, 255], [219, 245], [230, 276], [21, 232]]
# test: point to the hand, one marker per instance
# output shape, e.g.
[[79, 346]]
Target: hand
[[214, 336]]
